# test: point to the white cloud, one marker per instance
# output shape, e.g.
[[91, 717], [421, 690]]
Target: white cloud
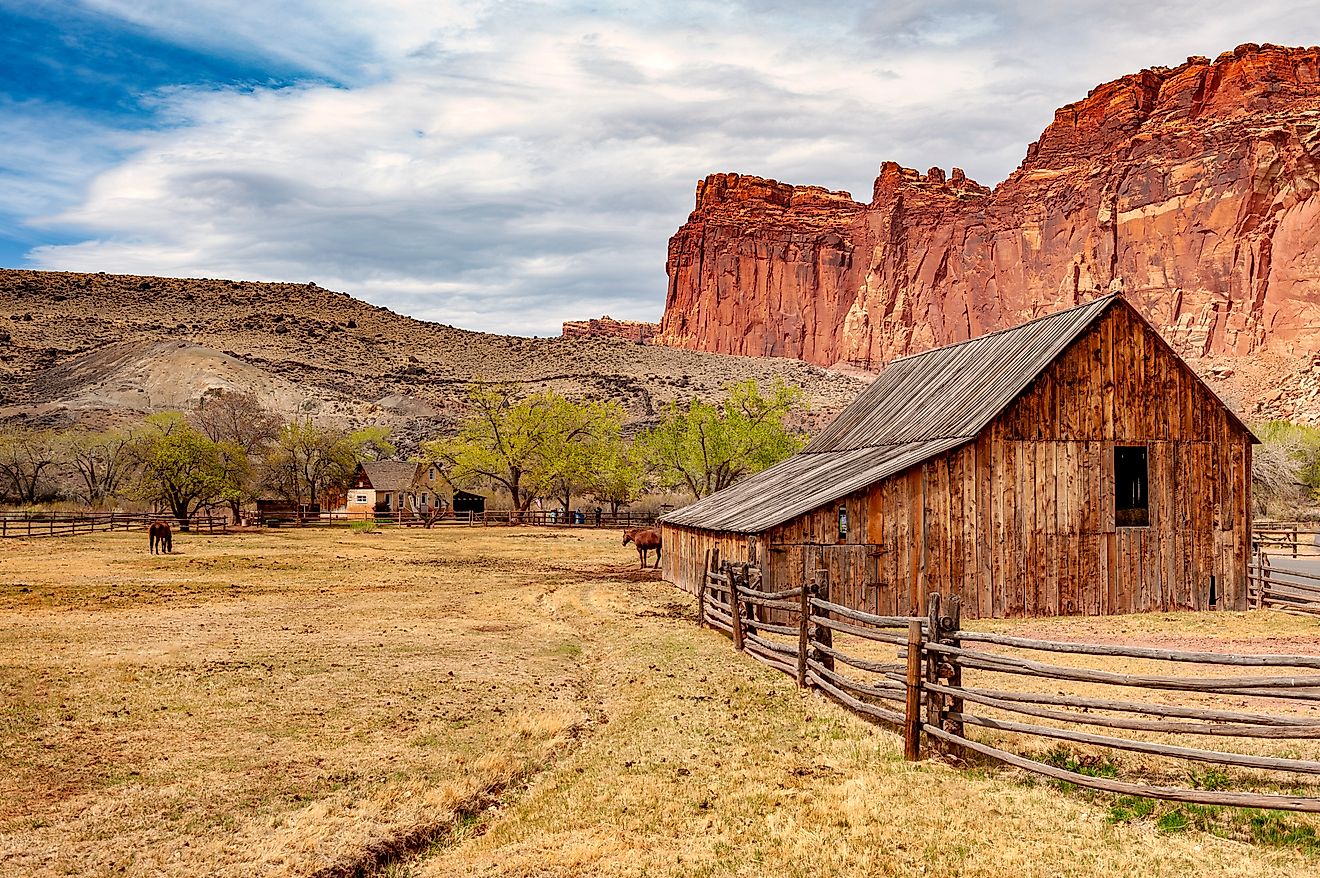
[[511, 166]]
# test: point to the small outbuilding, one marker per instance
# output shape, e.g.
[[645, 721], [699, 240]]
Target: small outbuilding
[[1070, 465]]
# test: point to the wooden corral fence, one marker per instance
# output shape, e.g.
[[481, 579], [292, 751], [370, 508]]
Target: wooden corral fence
[[915, 674], [1289, 590], [1284, 573], [1290, 539], [67, 524]]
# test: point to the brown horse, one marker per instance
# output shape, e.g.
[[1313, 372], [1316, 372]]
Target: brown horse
[[645, 538], [161, 537]]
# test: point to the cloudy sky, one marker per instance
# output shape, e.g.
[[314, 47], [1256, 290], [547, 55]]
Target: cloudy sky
[[509, 165]]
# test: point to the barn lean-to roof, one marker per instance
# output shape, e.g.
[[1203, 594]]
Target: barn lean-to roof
[[919, 406]]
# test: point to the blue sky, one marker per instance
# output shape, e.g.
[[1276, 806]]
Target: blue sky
[[509, 165]]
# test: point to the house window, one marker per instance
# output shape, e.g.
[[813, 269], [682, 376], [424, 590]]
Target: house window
[[1131, 502], [843, 524], [360, 498], [430, 476], [387, 501]]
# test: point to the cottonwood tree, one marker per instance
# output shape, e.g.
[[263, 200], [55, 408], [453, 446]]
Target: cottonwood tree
[[578, 435], [101, 462], [183, 470], [704, 448], [239, 418], [620, 474], [307, 458], [28, 457], [540, 445]]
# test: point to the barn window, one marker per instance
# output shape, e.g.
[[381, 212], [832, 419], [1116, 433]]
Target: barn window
[[843, 524], [1131, 501], [430, 476]]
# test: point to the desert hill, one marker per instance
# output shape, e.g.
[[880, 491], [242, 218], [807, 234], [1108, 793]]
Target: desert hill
[[100, 348], [1195, 190]]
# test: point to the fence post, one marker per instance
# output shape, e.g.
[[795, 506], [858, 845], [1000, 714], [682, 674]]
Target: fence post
[[824, 636], [804, 616], [912, 706], [701, 592], [955, 663], [1294, 541], [734, 602], [934, 701], [1263, 581]]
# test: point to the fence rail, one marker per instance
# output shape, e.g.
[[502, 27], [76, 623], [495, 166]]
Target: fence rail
[[1295, 540], [921, 690], [65, 524], [1292, 591]]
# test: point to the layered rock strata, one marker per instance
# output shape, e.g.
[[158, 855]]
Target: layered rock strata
[[608, 327], [1191, 189]]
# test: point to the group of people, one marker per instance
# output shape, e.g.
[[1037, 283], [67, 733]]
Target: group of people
[[576, 516]]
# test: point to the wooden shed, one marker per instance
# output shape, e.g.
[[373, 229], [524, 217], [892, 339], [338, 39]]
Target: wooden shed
[[1070, 465]]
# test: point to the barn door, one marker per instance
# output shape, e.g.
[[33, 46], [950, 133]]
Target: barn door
[[791, 565]]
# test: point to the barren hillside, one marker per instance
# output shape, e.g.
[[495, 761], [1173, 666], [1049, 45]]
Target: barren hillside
[[98, 348]]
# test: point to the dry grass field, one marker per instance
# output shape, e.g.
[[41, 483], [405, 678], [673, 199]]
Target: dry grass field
[[503, 702]]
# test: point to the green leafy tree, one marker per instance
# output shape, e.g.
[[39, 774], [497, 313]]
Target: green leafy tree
[[539, 445], [181, 469], [619, 477], [308, 459], [1285, 467], [704, 448], [577, 436]]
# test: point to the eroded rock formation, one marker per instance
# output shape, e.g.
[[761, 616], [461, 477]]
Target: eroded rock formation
[[608, 327], [1191, 189]]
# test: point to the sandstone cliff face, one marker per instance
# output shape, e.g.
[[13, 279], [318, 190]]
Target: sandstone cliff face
[[1191, 189], [607, 327]]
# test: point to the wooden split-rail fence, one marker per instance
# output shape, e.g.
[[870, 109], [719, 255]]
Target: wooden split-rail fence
[[1283, 573], [925, 693], [67, 524]]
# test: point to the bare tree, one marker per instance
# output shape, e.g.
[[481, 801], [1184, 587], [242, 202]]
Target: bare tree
[[27, 457], [238, 419], [102, 462]]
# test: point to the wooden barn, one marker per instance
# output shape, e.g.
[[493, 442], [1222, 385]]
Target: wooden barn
[[1071, 465]]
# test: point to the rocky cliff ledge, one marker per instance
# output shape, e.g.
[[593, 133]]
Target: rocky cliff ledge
[[608, 327], [1192, 189]]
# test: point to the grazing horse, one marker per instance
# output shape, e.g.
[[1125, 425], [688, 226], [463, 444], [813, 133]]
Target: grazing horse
[[645, 538], [161, 537]]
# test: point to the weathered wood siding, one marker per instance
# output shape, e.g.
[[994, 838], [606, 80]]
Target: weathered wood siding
[[683, 553], [1020, 521]]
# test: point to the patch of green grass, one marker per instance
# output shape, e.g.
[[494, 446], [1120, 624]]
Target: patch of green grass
[[1061, 756], [363, 527], [1130, 808], [1209, 778], [1276, 829]]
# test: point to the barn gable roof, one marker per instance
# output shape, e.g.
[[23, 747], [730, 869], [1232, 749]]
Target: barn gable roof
[[919, 406], [389, 475]]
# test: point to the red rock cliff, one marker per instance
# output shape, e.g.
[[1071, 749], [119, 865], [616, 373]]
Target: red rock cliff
[[1193, 189]]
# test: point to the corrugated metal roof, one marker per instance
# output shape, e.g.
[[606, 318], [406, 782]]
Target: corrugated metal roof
[[920, 406]]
